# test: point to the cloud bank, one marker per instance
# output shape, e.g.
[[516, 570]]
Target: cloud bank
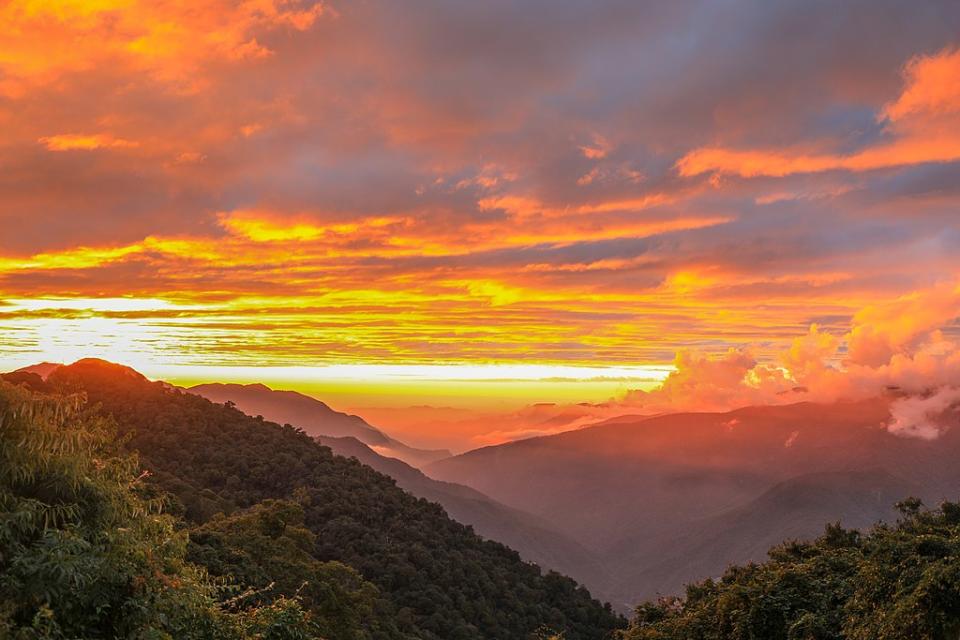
[[603, 182]]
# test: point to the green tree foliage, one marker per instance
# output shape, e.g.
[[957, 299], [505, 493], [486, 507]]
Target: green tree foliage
[[436, 579], [268, 549], [84, 554], [897, 582]]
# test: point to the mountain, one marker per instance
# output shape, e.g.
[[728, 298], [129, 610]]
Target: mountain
[[795, 509], [629, 491], [435, 579], [43, 369], [533, 538], [314, 417]]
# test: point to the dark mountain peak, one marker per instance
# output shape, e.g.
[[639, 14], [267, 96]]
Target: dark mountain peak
[[97, 373], [25, 378]]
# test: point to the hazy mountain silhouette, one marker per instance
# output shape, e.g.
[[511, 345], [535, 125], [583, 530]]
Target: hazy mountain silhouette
[[794, 509], [314, 417], [636, 506], [673, 498]]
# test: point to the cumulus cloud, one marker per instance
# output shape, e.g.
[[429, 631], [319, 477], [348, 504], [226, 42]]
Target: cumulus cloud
[[900, 344], [900, 326], [923, 417]]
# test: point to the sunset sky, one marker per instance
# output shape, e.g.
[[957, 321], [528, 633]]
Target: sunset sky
[[441, 199]]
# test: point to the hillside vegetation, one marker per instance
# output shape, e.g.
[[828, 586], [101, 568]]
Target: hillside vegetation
[[434, 579], [897, 582], [85, 551], [245, 530]]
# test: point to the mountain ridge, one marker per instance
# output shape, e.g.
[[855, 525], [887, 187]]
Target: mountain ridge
[[314, 416], [628, 491]]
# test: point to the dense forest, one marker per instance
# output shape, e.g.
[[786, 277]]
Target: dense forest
[[358, 554], [86, 552]]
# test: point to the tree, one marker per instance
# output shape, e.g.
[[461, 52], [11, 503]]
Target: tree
[[267, 550]]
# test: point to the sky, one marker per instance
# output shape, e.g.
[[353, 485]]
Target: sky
[[481, 204]]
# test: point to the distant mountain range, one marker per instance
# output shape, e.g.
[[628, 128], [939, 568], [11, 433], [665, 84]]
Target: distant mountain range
[[43, 369], [673, 498], [533, 538], [314, 417]]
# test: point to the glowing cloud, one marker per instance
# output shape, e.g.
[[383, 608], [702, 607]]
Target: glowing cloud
[[40, 41], [922, 126], [897, 344], [72, 142]]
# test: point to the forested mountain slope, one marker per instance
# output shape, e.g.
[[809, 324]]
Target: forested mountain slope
[[533, 538], [437, 579], [85, 551]]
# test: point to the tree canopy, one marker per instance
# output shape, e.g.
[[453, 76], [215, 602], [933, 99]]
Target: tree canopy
[[86, 552]]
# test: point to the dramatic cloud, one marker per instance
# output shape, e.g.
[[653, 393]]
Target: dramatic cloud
[[72, 142], [45, 40], [923, 416], [599, 183], [896, 346], [921, 126]]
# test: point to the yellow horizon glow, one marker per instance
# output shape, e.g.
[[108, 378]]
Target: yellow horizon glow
[[468, 386], [461, 385]]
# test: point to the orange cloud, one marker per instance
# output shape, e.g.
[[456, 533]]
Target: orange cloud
[[261, 227], [922, 126], [528, 207], [894, 343], [598, 149], [40, 40], [932, 87], [884, 330], [72, 142], [583, 230]]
